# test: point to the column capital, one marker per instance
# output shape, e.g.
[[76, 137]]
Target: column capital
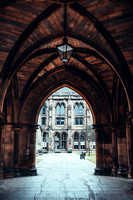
[[97, 126], [33, 127], [17, 127]]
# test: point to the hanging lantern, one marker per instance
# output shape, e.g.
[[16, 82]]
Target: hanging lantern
[[65, 49]]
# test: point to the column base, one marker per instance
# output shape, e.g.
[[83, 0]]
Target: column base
[[24, 172], [102, 171], [8, 173], [114, 172], [122, 172], [32, 171], [1, 174], [17, 172], [130, 173]]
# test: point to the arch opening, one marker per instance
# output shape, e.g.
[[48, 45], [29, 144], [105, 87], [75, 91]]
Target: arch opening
[[68, 121]]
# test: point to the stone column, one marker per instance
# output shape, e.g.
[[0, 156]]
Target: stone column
[[1, 149], [129, 134], [99, 170], [16, 151], [32, 153], [114, 152]]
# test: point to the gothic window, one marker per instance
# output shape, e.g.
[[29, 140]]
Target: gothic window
[[44, 109], [78, 109], [63, 141], [57, 141], [60, 109], [81, 109]]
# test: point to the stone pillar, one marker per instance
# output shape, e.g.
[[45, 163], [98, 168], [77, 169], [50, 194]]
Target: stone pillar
[[16, 151], [99, 134], [114, 152], [1, 149], [129, 134], [32, 153], [99, 150]]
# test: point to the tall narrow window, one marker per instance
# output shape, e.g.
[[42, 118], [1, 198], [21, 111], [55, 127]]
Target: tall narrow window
[[43, 121], [62, 109], [57, 141], [64, 136], [81, 109], [76, 109], [44, 109], [58, 109]]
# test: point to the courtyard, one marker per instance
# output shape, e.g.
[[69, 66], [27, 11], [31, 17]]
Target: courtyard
[[65, 176]]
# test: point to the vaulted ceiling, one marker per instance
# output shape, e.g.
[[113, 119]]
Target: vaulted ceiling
[[101, 32]]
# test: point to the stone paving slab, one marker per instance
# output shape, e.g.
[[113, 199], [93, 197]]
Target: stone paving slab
[[65, 177]]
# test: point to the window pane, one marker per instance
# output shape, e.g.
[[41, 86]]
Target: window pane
[[58, 121], [80, 109], [58, 109], [76, 120], [81, 121], [43, 121], [76, 109], [62, 109], [62, 121], [63, 136]]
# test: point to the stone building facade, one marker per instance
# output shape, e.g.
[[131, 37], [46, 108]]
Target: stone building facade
[[65, 123]]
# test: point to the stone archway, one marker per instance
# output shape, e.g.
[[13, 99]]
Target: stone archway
[[100, 109], [23, 156]]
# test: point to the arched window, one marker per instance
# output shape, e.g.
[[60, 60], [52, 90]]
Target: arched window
[[62, 109], [76, 137], [57, 141], [76, 109], [58, 109], [63, 141], [44, 109], [81, 109]]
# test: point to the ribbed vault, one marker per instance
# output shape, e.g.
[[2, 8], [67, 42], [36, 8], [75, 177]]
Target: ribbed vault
[[31, 37]]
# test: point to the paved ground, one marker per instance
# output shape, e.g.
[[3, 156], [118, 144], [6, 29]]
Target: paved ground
[[62, 177]]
